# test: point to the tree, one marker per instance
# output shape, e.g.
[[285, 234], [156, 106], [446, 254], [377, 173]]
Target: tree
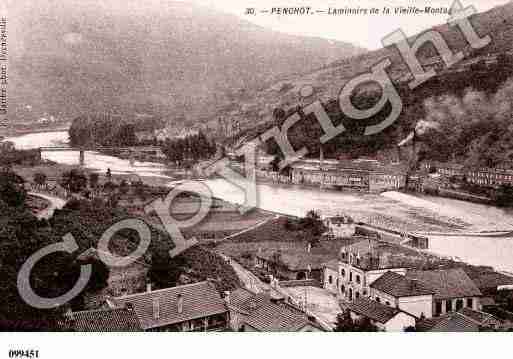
[[364, 325], [94, 179], [504, 196], [12, 191], [313, 223], [123, 187], [40, 179], [344, 322], [74, 180]]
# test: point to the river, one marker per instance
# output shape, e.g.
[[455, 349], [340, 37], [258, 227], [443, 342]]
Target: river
[[392, 209]]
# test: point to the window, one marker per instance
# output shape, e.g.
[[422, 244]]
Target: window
[[459, 304], [330, 279], [342, 288], [448, 305], [387, 303], [350, 294], [357, 295], [470, 302], [365, 292], [350, 276], [358, 279], [343, 272], [438, 307]]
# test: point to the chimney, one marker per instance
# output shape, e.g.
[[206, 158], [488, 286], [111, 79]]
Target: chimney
[[156, 309], [179, 303], [227, 297]]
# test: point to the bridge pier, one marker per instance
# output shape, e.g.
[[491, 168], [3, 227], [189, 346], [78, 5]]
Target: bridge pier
[[82, 157]]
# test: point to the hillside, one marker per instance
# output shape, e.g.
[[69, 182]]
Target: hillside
[[74, 57], [469, 90]]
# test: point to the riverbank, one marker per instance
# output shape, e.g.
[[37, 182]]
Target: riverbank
[[20, 131]]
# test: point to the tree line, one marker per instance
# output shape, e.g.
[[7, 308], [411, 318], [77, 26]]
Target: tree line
[[190, 148]]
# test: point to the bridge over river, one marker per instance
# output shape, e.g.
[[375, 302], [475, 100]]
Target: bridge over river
[[132, 151]]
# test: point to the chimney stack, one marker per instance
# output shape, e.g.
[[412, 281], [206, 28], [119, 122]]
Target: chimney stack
[[156, 309], [179, 303]]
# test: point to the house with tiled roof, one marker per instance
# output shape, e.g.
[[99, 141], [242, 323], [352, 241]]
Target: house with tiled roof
[[453, 289], [398, 291], [293, 263], [384, 317], [359, 264], [259, 312], [465, 320], [110, 320], [191, 307]]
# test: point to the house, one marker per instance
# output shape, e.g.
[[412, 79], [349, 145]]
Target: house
[[110, 320], [408, 295], [384, 317], [453, 289], [124, 280], [340, 226], [259, 312], [465, 320], [364, 175], [293, 263], [359, 265], [186, 308]]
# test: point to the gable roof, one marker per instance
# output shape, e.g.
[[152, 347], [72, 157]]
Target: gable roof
[[455, 322], [111, 320], [399, 286], [199, 300], [491, 280], [447, 283], [264, 315], [479, 317], [270, 317], [373, 310]]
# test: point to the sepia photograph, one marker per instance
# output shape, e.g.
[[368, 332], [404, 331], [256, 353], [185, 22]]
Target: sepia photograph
[[333, 166]]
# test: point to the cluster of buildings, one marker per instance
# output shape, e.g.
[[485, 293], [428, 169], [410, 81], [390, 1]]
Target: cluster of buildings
[[486, 177], [374, 280], [196, 307], [129, 303], [373, 284], [363, 175]]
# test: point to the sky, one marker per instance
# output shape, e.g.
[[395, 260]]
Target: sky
[[365, 31]]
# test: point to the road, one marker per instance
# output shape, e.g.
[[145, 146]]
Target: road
[[55, 203], [248, 279]]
